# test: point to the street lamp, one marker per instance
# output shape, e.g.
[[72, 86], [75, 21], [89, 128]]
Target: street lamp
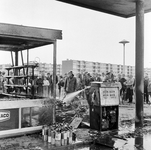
[[124, 42]]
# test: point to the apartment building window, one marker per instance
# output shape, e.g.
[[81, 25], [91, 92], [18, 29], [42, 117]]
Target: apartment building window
[[78, 66], [84, 66]]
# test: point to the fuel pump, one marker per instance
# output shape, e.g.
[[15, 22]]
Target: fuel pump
[[104, 106]]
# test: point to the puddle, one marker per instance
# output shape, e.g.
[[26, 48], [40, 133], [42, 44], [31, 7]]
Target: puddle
[[138, 143], [135, 140]]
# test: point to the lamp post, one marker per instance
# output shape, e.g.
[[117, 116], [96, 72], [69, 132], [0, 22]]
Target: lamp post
[[124, 42]]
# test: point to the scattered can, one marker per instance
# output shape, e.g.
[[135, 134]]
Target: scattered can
[[58, 139], [65, 138], [52, 137], [62, 139], [68, 132], [49, 135], [45, 133], [70, 137]]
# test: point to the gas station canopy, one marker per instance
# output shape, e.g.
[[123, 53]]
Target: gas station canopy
[[18, 37], [122, 8]]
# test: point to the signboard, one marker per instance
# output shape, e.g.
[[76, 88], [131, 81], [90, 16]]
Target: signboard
[[9, 119], [109, 96], [4, 115]]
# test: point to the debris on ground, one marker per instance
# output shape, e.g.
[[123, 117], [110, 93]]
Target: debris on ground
[[83, 133]]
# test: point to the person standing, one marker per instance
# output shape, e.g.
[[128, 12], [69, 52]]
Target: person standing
[[129, 84], [60, 86], [103, 77], [39, 84], [79, 82], [70, 83], [149, 89], [122, 80], [97, 78], [45, 87], [88, 80], [146, 84], [49, 78]]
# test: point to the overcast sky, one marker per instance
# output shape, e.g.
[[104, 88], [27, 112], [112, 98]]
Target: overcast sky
[[87, 35]]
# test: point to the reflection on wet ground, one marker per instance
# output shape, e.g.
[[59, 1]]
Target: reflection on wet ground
[[139, 139], [137, 143]]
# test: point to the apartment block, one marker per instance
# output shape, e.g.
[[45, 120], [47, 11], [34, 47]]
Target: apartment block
[[95, 67], [45, 68]]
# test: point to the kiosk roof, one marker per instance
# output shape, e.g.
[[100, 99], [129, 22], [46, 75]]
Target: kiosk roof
[[18, 37], [122, 8]]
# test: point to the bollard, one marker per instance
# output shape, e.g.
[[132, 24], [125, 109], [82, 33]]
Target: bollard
[[45, 133]]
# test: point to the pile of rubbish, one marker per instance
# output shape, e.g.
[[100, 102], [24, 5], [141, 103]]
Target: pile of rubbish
[[67, 113]]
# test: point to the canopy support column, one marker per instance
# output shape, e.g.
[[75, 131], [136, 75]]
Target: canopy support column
[[16, 58], [139, 63], [16, 64], [54, 77]]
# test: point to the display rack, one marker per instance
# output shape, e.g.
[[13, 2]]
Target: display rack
[[18, 76]]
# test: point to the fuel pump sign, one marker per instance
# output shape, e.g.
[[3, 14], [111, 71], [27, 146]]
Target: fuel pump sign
[[109, 96]]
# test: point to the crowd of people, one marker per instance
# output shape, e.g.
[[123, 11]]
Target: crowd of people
[[126, 84], [43, 85]]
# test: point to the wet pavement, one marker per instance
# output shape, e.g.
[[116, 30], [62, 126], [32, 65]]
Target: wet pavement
[[141, 142], [128, 137]]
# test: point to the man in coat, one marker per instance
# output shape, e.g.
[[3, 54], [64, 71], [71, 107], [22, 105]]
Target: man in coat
[[146, 83], [70, 83]]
